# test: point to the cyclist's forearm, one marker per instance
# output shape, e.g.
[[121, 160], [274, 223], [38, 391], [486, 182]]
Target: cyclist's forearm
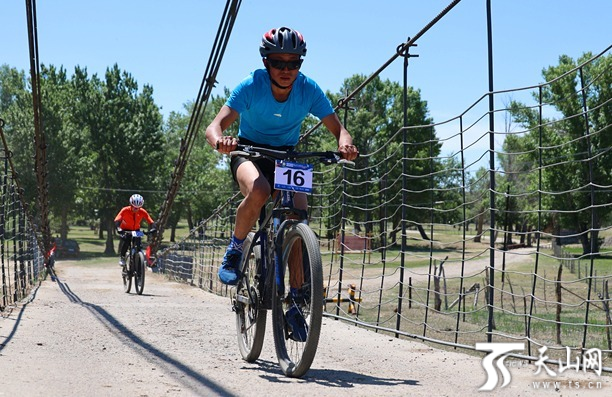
[[344, 138], [214, 132], [333, 124], [213, 135]]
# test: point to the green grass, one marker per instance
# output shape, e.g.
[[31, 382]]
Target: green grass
[[90, 245]]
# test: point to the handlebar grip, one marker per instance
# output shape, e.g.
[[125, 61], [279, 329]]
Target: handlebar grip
[[347, 162]]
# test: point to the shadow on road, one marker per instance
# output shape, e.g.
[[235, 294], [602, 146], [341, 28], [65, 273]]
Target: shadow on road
[[326, 377], [18, 320], [145, 349]]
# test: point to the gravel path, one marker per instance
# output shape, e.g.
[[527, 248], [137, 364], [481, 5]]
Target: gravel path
[[83, 336]]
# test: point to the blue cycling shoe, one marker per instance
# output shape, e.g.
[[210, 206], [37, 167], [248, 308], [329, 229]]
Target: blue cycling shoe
[[297, 324], [228, 272]]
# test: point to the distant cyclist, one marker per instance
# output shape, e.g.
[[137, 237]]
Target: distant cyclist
[[272, 103], [129, 219], [50, 262]]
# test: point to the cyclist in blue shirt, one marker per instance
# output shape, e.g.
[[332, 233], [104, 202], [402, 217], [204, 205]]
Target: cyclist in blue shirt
[[272, 103]]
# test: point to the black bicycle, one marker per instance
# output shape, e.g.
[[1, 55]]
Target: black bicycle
[[135, 261], [282, 269]]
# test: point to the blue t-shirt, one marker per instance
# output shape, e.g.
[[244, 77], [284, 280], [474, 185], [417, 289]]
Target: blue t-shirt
[[266, 121]]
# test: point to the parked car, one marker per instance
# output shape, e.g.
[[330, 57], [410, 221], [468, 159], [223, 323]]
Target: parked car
[[67, 248]]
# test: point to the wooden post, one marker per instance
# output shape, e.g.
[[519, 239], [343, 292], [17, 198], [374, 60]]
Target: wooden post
[[476, 296], [512, 295], [442, 274], [438, 301]]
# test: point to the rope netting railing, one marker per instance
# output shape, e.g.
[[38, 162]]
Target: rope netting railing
[[408, 242], [21, 255]]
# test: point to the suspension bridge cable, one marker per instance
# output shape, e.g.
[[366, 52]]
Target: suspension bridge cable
[[208, 82], [40, 146]]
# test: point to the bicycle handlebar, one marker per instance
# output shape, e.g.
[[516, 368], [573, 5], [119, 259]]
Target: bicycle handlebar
[[147, 233], [255, 152]]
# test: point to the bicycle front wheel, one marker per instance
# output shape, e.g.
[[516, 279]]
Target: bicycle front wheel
[[250, 315], [126, 274], [297, 313], [139, 273]]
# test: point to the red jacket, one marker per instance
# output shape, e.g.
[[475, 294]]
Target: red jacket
[[130, 220]]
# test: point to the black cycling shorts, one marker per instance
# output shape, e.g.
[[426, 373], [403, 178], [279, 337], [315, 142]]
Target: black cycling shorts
[[265, 166]]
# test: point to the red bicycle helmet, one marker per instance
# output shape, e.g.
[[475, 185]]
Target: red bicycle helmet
[[282, 41]]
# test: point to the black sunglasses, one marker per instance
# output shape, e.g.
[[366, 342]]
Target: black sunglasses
[[280, 65]]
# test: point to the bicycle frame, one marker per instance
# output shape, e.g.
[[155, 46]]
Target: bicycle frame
[[135, 244], [282, 205]]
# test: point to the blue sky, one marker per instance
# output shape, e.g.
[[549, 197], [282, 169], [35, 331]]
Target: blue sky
[[167, 44]]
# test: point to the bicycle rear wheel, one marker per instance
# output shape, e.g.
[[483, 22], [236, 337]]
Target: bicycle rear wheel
[[139, 273], [126, 274], [250, 315], [296, 318]]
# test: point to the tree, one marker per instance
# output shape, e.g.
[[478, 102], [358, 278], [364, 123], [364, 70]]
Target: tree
[[126, 142], [205, 183], [448, 193], [16, 111], [477, 201], [575, 156], [64, 143], [376, 124]]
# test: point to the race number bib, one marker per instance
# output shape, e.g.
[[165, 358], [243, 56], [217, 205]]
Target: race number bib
[[293, 176]]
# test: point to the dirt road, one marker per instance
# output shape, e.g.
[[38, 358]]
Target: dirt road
[[83, 336]]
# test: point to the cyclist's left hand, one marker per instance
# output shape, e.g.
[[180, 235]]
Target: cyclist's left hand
[[226, 144], [349, 152]]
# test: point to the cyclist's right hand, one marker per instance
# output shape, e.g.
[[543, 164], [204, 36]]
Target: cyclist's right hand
[[226, 144]]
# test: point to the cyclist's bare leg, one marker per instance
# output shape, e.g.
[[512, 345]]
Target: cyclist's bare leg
[[296, 270], [256, 190]]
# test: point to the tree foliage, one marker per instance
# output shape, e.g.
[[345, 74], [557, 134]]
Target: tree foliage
[[573, 150], [392, 155], [104, 140]]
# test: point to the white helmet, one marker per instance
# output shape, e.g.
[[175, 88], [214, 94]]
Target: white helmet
[[136, 200]]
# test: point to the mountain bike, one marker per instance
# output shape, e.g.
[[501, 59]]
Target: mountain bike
[[135, 261], [269, 280]]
